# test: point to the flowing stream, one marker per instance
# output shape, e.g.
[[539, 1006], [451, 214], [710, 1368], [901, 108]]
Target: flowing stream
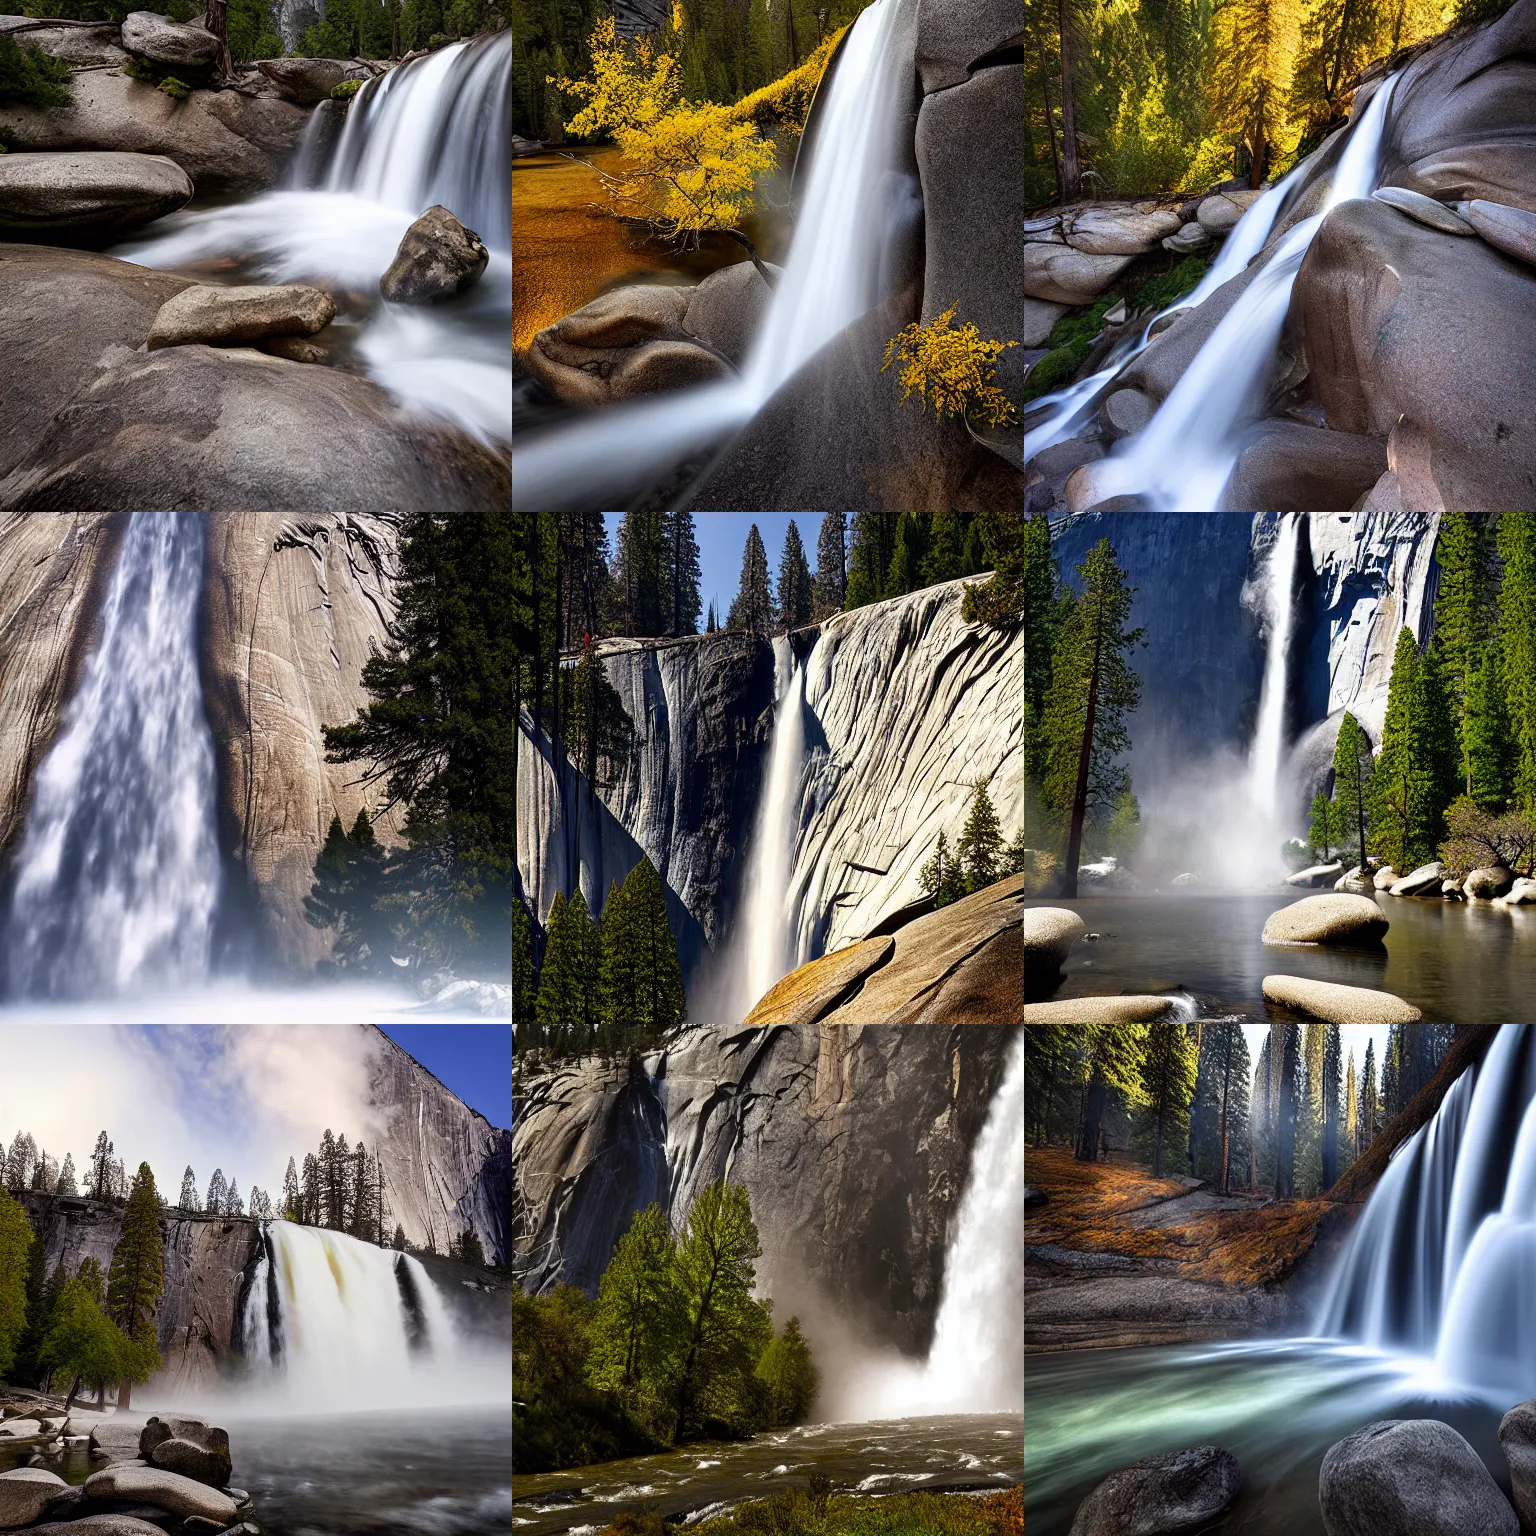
[[435, 131], [117, 877], [833, 274]]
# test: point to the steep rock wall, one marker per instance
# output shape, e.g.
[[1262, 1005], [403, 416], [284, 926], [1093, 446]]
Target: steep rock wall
[[852, 1142]]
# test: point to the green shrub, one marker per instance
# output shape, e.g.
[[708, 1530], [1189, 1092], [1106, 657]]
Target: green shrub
[[136, 69], [1160, 292], [1070, 341], [29, 78], [177, 90], [346, 90]]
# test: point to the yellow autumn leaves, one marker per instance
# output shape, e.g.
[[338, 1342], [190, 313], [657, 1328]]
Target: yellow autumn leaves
[[951, 369]]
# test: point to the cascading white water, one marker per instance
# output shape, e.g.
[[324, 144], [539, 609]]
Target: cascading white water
[[762, 951], [435, 131], [831, 277], [117, 876], [1184, 457], [330, 1322], [1442, 1264], [1267, 753]]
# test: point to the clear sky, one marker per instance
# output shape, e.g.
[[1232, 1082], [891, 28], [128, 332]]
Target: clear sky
[[722, 537], [474, 1060], [1352, 1037]]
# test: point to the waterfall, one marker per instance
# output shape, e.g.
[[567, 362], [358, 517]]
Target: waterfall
[[117, 876], [1442, 1264], [761, 950], [831, 277], [436, 130], [1267, 753], [331, 1322]]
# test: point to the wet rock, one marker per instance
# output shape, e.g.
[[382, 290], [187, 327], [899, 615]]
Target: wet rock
[[86, 196], [1189, 239], [1336, 919], [309, 81], [175, 45], [1162, 364], [727, 308], [1120, 231], [1288, 467], [438, 259], [1511, 230], [1124, 412], [1317, 875], [1218, 215], [1517, 1437], [1410, 1477], [1040, 317], [1427, 210], [1176, 1491], [190, 1447], [100, 1525], [1421, 882], [167, 1490], [1335, 1004], [24, 1494], [1131, 1009], [1488, 882], [1056, 463], [1049, 934], [1061, 275], [226, 317]]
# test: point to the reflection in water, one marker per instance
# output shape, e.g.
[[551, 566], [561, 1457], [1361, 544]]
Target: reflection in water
[[1276, 1406], [1461, 963], [958, 1451]]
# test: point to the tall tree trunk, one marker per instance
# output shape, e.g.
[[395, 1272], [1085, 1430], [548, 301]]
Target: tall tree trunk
[[1093, 1112], [1050, 123], [124, 1394], [1226, 1144], [1071, 177], [216, 20], [1260, 155], [1084, 761]]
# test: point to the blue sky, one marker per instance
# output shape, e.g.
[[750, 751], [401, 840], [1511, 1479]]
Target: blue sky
[[474, 1060], [722, 537]]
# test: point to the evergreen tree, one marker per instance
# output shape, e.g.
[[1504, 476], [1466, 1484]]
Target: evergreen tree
[[1042, 614], [1261, 1161], [1111, 1064], [638, 1321], [67, 1185], [1350, 1146], [640, 574], [944, 557], [218, 1191], [1309, 1130], [20, 1161], [364, 1218], [1288, 1113], [1391, 1101], [1353, 766], [348, 882], [831, 585], [980, 848], [311, 1191], [714, 623], [233, 1204], [1415, 775], [398, 1242], [1489, 749], [642, 983], [938, 876], [1323, 834], [1517, 630], [137, 1278], [15, 1253], [524, 993], [752, 607], [794, 582], [101, 1168], [871, 544], [1254, 53], [1001, 600], [1168, 1062], [293, 1201], [187, 1200], [1463, 609], [1331, 1106], [560, 1012], [1224, 1078], [682, 573], [1370, 1109], [1093, 690], [789, 1377], [27, 1367], [907, 551]]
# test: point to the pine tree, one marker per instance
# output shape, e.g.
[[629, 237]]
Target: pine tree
[[831, 585], [1167, 1067], [293, 1201], [1093, 690], [20, 1161], [640, 574], [137, 1274], [30, 1341], [1261, 1120], [944, 557], [1463, 609], [1111, 1063], [682, 573], [795, 596], [1353, 766], [1350, 1144], [1289, 1108], [524, 993], [233, 1204], [187, 1200], [1331, 1106], [642, 991], [1488, 739], [1322, 836], [67, 1185], [871, 543], [788, 1376], [752, 607], [980, 848], [714, 623], [560, 1011], [1370, 1109], [1001, 600], [15, 1248], [349, 880], [1222, 1091], [311, 1191], [907, 551], [1253, 54], [1391, 1101], [1415, 776], [1517, 631], [1042, 615], [101, 1168], [218, 1192], [937, 874]]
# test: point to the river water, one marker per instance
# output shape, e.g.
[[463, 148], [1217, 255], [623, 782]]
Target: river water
[[894, 1456], [1461, 963], [1276, 1406], [446, 1472]]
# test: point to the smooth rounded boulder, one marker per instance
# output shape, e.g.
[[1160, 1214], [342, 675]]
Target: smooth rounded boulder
[[1333, 919], [1517, 1437], [1427, 210], [173, 44], [24, 1494], [89, 195], [1423, 881], [1049, 934], [309, 81], [222, 317], [1487, 882], [1120, 231], [1410, 1477], [1061, 275], [191, 1447], [1134, 1008], [166, 1490], [438, 258], [1336, 1004], [726, 309], [1176, 1491]]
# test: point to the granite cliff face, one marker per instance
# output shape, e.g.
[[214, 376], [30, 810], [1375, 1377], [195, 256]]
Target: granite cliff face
[[853, 1143]]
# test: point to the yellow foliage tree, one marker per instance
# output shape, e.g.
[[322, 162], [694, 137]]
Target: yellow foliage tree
[[687, 168], [952, 370], [1340, 37], [1253, 53]]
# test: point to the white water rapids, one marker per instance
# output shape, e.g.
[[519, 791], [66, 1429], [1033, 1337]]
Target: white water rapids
[[434, 131], [117, 876], [832, 276], [1183, 458]]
